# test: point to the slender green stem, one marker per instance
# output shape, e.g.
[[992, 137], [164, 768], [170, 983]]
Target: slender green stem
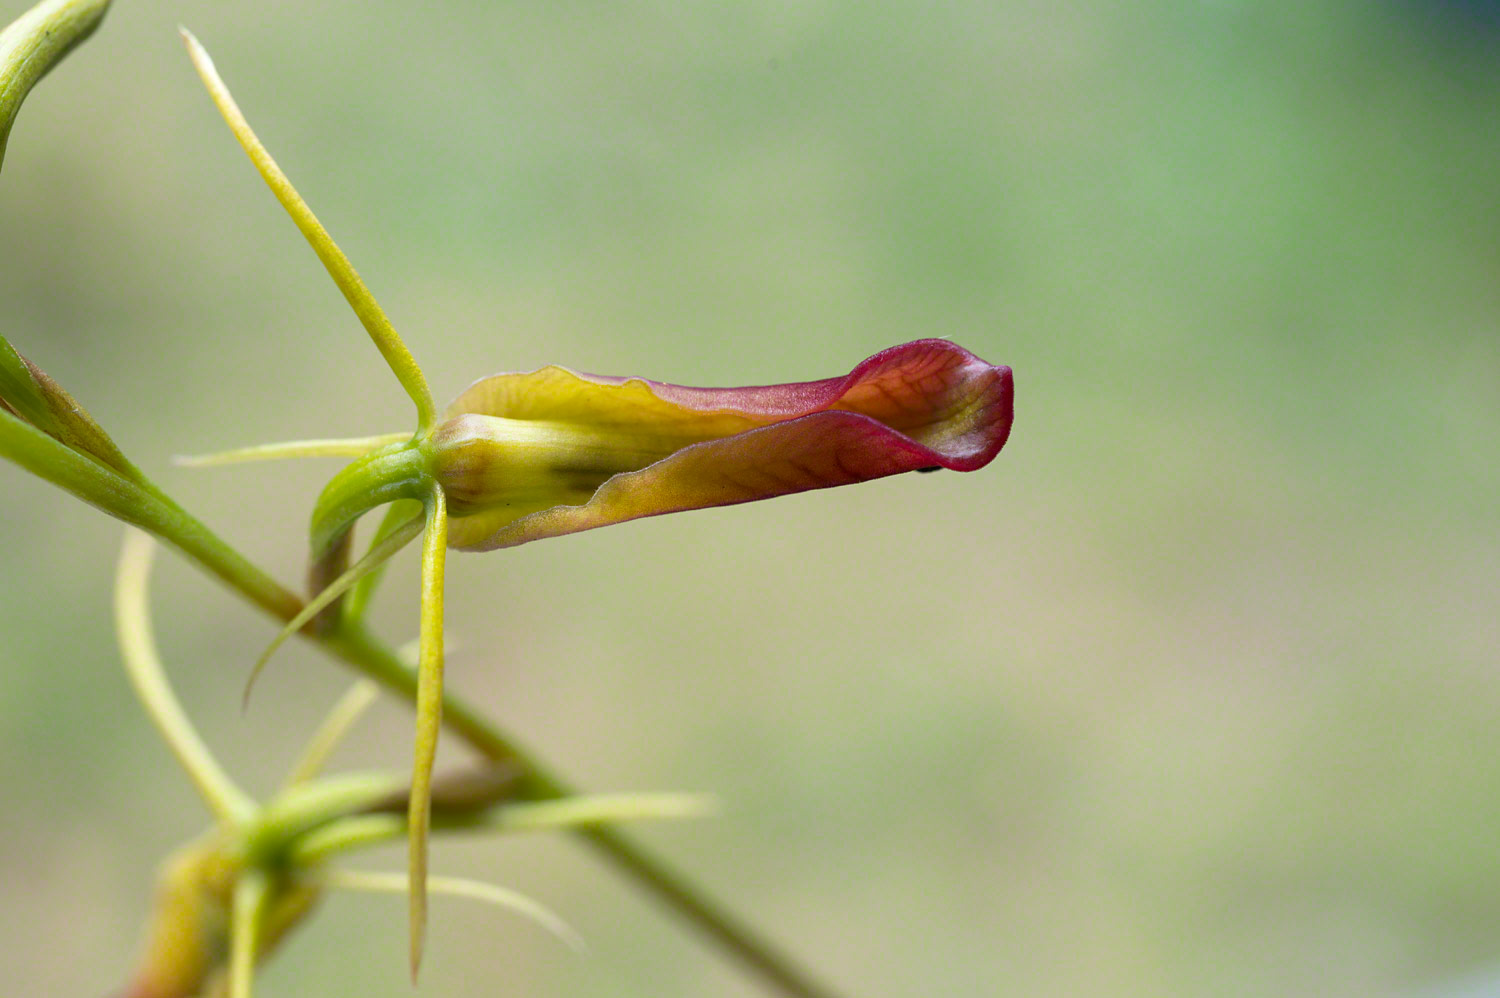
[[752, 949], [147, 508], [362, 651], [357, 647], [377, 555]]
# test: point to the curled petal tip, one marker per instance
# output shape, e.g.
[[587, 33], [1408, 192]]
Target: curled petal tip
[[527, 456]]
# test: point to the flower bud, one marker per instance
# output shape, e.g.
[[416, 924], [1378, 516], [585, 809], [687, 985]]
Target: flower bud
[[526, 456]]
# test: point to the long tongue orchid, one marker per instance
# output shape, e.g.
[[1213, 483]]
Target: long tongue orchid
[[527, 456], [520, 457]]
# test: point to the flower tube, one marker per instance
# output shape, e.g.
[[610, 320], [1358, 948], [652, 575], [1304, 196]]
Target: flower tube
[[527, 456]]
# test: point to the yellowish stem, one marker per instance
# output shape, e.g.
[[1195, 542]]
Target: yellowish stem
[[143, 664]]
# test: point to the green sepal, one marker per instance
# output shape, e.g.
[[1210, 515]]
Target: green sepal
[[387, 474], [19, 391], [28, 392], [34, 43]]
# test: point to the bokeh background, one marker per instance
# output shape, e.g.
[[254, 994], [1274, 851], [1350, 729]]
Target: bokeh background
[[1194, 691]]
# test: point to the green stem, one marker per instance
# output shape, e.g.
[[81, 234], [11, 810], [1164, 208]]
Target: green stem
[[48, 459], [147, 508], [752, 949], [365, 653]]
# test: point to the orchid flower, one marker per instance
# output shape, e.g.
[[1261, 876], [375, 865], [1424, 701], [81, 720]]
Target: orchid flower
[[520, 457]]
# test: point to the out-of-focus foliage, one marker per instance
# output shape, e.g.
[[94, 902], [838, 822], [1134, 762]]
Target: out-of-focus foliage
[[1193, 691]]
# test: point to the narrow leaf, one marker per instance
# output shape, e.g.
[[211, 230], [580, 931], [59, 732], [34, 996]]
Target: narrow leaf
[[53, 461]]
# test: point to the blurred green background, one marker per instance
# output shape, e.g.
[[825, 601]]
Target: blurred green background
[[1194, 691]]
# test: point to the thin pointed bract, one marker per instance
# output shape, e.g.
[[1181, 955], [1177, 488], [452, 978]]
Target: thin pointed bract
[[370, 314], [429, 717], [376, 557], [462, 887], [348, 447], [341, 718], [34, 43], [29, 393], [143, 665]]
